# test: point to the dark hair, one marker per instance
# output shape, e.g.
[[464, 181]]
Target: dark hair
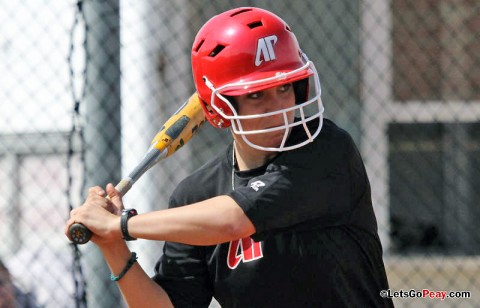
[[300, 87], [232, 101]]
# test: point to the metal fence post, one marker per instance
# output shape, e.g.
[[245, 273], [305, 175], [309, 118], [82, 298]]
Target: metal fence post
[[102, 128]]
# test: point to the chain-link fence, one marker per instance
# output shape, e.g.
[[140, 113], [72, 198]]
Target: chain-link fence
[[85, 85]]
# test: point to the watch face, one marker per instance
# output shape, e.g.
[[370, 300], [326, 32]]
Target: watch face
[[129, 212]]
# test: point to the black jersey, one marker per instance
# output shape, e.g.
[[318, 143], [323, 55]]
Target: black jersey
[[316, 241]]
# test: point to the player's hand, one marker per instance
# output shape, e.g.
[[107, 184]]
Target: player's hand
[[99, 214]]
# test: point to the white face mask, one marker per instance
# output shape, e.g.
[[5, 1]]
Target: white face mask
[[304, 112]]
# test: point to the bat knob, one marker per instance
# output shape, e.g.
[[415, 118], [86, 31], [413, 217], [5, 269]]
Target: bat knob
[[79, 234]]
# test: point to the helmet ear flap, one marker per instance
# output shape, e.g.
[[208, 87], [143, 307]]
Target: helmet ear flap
[[212, 117], [215, 119], [301, 88]]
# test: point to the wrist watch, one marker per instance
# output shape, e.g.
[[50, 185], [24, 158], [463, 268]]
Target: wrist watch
[[126, 215]]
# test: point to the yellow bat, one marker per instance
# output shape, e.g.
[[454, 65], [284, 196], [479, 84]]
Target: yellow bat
[[176, 131]]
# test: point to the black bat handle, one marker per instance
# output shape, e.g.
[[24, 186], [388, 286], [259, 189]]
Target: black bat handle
[[79, 234]]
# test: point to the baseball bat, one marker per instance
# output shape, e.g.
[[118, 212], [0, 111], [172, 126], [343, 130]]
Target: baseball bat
[[176, 131]]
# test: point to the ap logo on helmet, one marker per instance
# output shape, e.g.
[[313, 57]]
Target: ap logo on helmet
[[265, 51]]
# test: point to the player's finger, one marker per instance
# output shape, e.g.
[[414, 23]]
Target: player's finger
[[97, 191], [115, 197], [67, 227], [68, 224]]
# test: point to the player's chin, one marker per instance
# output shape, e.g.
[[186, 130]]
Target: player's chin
[[270, 140]]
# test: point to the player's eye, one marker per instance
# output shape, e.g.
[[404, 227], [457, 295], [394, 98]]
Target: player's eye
[[285, 88], [255, 95]]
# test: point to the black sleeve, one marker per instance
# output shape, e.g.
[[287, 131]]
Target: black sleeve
[[183, 274], [310, 185]]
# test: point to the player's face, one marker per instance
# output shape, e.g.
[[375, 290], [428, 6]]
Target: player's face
[[272, 99]]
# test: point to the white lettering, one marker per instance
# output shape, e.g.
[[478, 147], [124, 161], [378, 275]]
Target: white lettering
[[265, 51]]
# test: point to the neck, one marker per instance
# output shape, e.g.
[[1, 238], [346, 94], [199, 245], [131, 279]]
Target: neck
[[249, 158]]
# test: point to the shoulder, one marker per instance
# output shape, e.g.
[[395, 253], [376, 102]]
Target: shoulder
[[331, 132], [330, 135], [203, 183], [333, 151], [332, 141], [338, 144]]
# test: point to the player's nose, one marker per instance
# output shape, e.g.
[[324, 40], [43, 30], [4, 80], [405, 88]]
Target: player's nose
[[272, 102]]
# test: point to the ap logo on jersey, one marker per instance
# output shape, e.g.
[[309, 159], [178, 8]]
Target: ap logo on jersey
[[265, 51]]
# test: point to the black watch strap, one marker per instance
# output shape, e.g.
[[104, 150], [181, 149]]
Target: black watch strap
[[126, 214]]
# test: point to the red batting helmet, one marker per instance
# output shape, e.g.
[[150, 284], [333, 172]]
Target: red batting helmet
[[245, 50]]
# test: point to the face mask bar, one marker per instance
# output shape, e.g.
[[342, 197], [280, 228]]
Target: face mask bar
[[287, 126]]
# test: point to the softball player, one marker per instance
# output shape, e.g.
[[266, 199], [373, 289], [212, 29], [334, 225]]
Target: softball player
[[281, 218]]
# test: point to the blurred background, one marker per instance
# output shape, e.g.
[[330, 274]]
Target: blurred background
[[85, 85]]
